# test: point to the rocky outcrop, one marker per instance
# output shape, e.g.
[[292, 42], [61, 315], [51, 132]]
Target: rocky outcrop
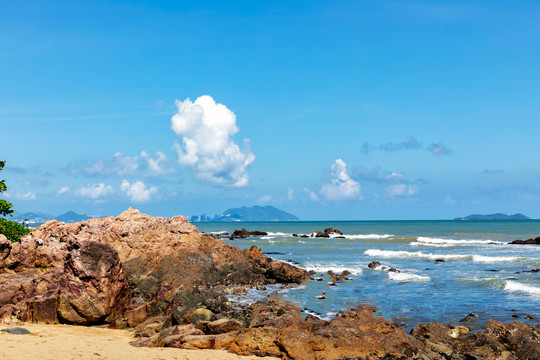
[[243, 233], [498, 341], [535, 241], [126, 269]]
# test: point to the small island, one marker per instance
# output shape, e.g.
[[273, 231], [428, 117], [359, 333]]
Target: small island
[[496, 216]]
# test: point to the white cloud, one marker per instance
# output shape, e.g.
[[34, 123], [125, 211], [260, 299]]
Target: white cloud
[[95, 191], [137, 191], [342, 186], [123, 165], [206, 129], [438, 149], [63, 190], [23, 197], [401, 190], [265, 199], [311, 194], [290, 194]]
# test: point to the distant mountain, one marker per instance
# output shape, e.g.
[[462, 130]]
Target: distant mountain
[[497, 216], [71, 217], [33, 218], [253, 213], [40, 218]]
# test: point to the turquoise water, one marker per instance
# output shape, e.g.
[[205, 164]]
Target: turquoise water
[[480, 272]]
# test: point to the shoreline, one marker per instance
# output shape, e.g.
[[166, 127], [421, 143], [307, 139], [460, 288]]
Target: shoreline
[[52, 342]]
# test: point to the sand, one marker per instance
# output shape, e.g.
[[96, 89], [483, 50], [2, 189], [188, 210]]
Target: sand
[[66, 342]]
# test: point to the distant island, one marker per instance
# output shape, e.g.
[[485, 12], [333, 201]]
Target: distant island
[[497, 216], [40, 218], [244, 213]]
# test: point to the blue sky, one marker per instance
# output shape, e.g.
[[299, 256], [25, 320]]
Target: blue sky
[[325, 109]]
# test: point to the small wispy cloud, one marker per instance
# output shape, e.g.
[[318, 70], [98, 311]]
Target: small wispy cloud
[[411, 143], [438, 149], [95, 191], [206, 129], [23, 197], [63, 190], [137, 191], [342, 186], [493, 172], [121, 165]]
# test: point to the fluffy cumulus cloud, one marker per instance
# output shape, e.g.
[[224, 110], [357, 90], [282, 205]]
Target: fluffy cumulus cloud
[[342, 187], [137, 191], [124, 165], [206, 129], [95, 192]]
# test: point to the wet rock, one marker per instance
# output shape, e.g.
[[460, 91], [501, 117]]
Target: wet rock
[[243, 233], [339, 277], [529, 317], [438, 261], [332, 231], [535, 241], [319, 234], [374, 264]]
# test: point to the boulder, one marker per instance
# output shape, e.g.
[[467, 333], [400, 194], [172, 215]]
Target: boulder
[[5, 248], [319, 234], [126, 269], [332, 231]]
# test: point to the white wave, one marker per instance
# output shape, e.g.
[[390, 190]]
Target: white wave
[[279, 234], [369, 236], [454, 242], [514, 286], [219, 232], [481, 258], [404, 276], [267, 237], [418, 254], [415, 243]]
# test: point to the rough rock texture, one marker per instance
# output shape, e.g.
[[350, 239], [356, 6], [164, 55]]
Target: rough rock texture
[[126, 270], [515, 341]]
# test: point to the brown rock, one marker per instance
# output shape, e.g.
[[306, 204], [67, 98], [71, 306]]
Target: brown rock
[[332, 231], [220, 326], [320, 234], [5, 248]]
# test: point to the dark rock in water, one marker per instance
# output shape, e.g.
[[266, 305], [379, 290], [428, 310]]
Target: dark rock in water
[[304, 236], [515, 315], [466, 319], [295, 235], [339, 277], [333, 283], [16, 331], [492, 270], [374, 264], [529, 317], [472, 315], [320, 234], [438, 261], [535, 241], [393, 270], [243, 233], [330, 231], [532, 271]]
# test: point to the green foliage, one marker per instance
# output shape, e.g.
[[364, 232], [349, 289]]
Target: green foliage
[[5, 206], [13, 230]]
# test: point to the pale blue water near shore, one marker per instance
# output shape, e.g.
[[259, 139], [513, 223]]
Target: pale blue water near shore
[[480, 273]]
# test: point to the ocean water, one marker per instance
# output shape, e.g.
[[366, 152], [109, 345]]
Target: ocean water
[[480, 274]]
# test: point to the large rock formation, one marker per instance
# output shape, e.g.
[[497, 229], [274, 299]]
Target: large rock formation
[[125, 269]]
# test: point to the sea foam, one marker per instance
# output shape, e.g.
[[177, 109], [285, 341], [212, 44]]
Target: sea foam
[[438, 242], [514, 286], [404, 276]]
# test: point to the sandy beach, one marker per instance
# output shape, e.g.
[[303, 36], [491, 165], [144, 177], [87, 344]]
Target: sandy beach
[[51, 342]]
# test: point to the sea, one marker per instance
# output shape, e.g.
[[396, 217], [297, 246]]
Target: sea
[[453, 272]]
